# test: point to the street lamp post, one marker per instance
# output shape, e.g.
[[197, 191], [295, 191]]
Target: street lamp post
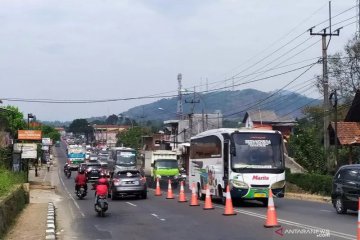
[[29, 116]]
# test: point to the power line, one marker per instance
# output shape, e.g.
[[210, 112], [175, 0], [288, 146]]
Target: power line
[[256, 104]]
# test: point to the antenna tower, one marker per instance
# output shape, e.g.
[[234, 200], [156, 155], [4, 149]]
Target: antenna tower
[[179, 111]]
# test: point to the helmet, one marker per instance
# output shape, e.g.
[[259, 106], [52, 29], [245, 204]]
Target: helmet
[[102, 181]]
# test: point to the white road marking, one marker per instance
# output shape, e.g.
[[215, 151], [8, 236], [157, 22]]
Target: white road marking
[[156, 216], [131, 204], [75, 203], [325, 210], [295, 224]]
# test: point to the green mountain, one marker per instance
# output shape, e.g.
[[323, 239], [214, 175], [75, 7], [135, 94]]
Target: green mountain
[[232, 104]]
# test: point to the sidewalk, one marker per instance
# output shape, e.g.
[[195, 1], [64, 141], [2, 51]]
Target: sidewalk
[[31, 222]]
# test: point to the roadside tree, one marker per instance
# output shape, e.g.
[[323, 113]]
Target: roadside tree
[[132, 137], [344, 71]]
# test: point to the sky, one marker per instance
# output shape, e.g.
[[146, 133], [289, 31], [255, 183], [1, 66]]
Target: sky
[[130, 49]]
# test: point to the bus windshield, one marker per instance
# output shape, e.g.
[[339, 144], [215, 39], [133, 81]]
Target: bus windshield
[[125, 158], [165, 163], [257, 150]]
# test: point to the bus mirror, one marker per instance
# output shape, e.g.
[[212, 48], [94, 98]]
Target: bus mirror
[[152, 165]]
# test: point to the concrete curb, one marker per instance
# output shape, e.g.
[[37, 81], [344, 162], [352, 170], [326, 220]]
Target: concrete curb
[[50, 222]]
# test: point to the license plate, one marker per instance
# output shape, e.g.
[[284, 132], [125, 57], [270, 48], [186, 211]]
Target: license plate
[[132, 182], [260, 195]]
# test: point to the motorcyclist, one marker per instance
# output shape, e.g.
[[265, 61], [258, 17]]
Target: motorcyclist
[[80, 180], [66, 167], [102, 176], [101, 188]]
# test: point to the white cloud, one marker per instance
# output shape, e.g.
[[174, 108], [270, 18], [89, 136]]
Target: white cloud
[[108, 48]]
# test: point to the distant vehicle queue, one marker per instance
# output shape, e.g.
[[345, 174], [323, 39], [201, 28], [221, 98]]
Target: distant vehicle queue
[[251, 162]]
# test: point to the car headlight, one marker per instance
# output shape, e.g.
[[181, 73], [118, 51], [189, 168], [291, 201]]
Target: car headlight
[[176, 176], [239, 184], [158, 176], [279, 184]]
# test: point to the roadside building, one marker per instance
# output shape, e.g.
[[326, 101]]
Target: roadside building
[[106, 134]]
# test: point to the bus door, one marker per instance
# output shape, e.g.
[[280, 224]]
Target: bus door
[[226, 159]]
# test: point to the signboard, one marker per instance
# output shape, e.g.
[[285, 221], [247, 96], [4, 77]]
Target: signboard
[[45, 148], [46, 142], [27, 150], [29, 134]]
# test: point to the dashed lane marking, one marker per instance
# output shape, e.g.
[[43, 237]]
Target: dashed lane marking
[[156, 216], [131, 204], [72, 198]]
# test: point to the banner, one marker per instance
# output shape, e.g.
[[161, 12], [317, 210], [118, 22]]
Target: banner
[[29, 134]]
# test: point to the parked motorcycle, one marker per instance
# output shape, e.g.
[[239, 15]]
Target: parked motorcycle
[[81, 193], [101, 205]]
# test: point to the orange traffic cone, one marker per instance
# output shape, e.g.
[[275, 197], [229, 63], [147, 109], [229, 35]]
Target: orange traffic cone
[[358, 225], [170, 193], [157, 191], [208, 204], [182, 197], [271, 218], [229, 210], [194, 199]]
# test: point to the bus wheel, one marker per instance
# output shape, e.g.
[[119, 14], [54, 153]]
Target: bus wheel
[[221, 195], [201, 196]]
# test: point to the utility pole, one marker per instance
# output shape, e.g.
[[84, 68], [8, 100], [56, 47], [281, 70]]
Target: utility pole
[[358, 19], [179, 103], [325, 81], [334, 104], [191, 114]]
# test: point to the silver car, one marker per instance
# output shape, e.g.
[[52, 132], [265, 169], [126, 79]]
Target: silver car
[[127, 183]]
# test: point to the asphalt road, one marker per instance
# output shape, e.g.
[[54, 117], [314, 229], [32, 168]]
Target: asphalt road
[[161, 218]]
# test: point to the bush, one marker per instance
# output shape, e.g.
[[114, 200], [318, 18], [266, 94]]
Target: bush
[[313, 183], [8, 179]]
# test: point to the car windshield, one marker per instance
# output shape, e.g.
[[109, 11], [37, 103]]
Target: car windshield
[[126, 158], [94, 165], [128, 174], [166, 163], [102, 158]]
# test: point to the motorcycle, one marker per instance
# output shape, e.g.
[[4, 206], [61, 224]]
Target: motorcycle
[[183, 174], [67, 173], [81, 193], [101, 205]]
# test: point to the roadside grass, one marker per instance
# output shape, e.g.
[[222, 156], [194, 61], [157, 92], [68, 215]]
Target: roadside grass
[[8, 180], [310, 183]]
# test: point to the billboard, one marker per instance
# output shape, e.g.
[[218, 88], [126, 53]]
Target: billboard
[[27, 150], [29, 134]]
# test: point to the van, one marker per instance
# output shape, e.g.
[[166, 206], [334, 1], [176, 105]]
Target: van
[[346, 188]]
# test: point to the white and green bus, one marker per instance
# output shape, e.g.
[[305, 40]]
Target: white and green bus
[[251, 161]]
